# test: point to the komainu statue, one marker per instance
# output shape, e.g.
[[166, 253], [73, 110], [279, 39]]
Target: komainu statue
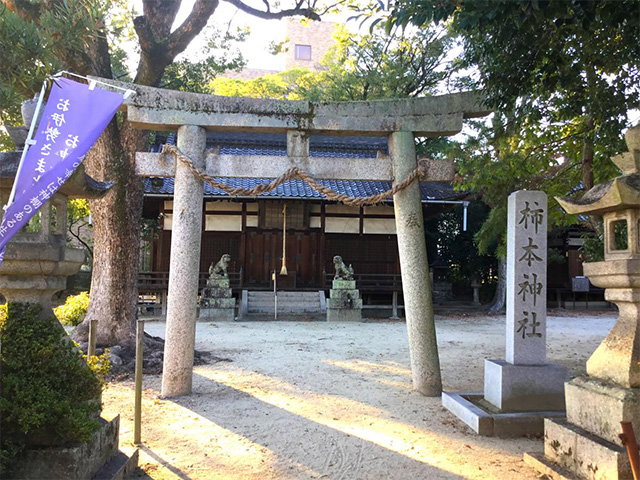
[[219, 270], [342, 271]]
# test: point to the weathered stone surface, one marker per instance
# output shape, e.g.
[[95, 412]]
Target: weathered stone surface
[[584, 454], [416, 285], [527, 278], [271, 166], [343, 315], [599, 407], [183, 271], [617, 358], [222, 313], [215, 292], [521, 388], [228, 302], [345, 301], [158, 109], [75, 462], [344, 284], [344, 293]]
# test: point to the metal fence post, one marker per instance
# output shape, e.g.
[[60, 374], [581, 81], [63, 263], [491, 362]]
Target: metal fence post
[[137, 423]]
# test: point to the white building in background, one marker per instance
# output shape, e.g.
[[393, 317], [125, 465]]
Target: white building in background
[[306, 44]]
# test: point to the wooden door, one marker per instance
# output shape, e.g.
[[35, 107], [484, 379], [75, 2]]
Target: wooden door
[[264, 255]]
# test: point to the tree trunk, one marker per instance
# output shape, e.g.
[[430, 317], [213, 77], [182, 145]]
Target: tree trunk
[[116, 233], [587, 155], [500, 297]]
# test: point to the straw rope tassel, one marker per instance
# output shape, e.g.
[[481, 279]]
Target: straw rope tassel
[[283, 270]]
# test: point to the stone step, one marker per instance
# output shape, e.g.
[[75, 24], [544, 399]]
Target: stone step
[[583, 453], [119, 467], [283, 310], [313, 296], [284, 305]]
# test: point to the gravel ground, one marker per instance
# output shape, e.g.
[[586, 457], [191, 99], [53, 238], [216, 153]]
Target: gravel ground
[[303, 400]]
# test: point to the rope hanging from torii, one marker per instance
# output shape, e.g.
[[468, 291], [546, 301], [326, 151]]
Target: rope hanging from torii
[[292, 173]]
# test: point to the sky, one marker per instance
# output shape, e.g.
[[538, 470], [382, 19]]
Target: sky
[[262, 32]]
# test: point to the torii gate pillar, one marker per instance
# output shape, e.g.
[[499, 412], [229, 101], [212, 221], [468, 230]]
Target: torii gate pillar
[[416, 285], [185, 266]]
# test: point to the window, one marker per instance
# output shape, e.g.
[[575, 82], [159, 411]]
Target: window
[[271, 215], [303, 52]]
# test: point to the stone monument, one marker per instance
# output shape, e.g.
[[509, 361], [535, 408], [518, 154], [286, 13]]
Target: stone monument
[[345, 304], [216, 302], [524, 383], [587, 443]]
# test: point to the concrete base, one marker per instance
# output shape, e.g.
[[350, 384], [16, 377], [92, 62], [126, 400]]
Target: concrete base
[[468, 408], [547, 468], [76, 462], [344, 314], [217, 314], [524, 388], [119, 467], [585, 455], [599, 407]]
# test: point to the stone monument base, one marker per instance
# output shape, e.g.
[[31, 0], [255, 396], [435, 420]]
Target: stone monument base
[[524, 388], [344, 304], [587, 444], [216, 302], [516, 400], [486, 420]]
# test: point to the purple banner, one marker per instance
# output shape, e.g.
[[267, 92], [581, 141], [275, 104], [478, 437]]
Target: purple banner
[[74, 118]]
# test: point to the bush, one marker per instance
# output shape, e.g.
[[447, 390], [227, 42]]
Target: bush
[[49, 395], [74, 309]]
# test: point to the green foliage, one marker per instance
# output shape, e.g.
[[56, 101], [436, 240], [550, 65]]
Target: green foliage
[[219, 54], [593, 247], [358, 67], [78, 215], [74, 309], [49, 395], [33, 51], [448, 244]]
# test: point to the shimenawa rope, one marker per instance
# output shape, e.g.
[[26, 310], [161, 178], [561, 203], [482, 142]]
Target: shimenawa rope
[[293, 173]]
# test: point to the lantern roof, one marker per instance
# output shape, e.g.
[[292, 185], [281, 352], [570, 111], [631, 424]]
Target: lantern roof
[[617, 194]]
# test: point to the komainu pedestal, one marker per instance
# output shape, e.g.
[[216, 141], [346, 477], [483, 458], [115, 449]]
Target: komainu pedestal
[[345, 304], [216, 301], [587, 444]]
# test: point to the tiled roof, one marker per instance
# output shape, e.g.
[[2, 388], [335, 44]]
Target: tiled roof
[[298, 189]]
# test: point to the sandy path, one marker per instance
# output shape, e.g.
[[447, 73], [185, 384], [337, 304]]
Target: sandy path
[[316, 400]]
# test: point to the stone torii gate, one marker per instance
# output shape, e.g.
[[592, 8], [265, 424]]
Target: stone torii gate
[[193, 114]]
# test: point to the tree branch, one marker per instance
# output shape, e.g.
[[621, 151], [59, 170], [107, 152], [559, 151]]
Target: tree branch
[[308, 12], [191, 27]]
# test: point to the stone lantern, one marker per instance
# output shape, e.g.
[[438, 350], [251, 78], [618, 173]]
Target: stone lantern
[[588, 442], [37, 260]]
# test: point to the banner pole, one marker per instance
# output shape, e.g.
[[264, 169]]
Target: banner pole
[[28, 143]]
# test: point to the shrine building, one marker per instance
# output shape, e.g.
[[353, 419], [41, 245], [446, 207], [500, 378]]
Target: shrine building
[[250, 229]]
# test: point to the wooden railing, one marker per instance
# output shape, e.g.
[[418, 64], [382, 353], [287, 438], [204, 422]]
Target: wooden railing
[[159, 281], [371, 282]]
